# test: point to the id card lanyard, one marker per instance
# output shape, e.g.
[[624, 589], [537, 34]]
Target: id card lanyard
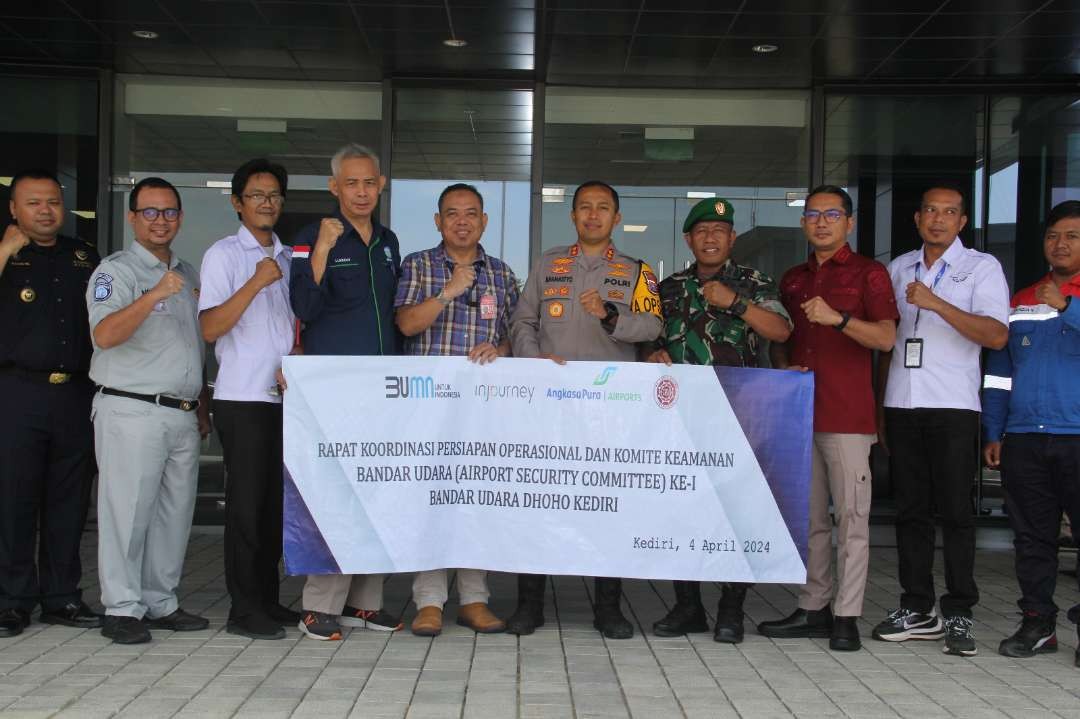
[[913, 347]]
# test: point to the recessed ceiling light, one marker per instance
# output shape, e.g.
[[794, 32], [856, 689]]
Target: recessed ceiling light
[[454, 42], [697, 195], [145, 34], [765, 48], [635, 228]]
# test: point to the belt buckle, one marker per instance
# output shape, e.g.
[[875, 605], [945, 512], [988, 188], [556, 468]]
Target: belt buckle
[[185, 405], [59, 378]]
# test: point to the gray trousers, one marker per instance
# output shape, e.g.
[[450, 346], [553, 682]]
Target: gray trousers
[[148, 468], [430, 588], [329, 593]]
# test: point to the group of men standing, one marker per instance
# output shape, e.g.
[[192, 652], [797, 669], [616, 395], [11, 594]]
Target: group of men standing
[[121, 342]]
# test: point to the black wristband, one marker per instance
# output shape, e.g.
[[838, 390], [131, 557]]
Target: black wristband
[[845, 317]]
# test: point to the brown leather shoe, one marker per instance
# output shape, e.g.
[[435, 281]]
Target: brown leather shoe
[[477, 617], [428, 622]]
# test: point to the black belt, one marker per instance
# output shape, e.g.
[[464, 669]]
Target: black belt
[[187, 405], [44, 376]]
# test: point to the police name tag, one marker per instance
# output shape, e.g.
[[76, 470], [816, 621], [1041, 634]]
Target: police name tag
[[487, 307], [913, 352]]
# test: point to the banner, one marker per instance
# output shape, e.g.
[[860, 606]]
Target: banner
[[402, 464]]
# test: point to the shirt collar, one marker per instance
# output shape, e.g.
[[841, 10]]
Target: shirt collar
[[441, 256], [149, 259], [249, 242], [609, 253], [840, 257], [725, 269], [951, 255]]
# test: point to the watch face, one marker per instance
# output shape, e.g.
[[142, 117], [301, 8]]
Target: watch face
[[739, 308]]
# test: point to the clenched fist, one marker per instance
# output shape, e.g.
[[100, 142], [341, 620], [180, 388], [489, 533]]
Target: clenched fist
[[922, 296], [1049, 293], [718, 294], [591, 302], [14, 240], [267, 272], [170, 284], [460, 281], [330, 231], [819, 312]]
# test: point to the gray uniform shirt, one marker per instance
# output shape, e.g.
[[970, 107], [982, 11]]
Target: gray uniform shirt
[[549, 318], [165, 354]]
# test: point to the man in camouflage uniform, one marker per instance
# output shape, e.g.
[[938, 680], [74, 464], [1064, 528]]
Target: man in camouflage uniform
[[714, 312]]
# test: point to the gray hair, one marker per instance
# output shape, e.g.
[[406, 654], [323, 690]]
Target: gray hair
[[350, 151]]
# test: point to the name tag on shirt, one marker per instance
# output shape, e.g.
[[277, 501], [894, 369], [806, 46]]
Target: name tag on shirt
[[913, 348], [488, 309]]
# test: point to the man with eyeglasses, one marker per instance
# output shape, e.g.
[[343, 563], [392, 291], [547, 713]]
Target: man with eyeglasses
[[844, 309], [244, 309], [341, 286], [454, 300], [715, 313], [953, 301], [46, 439], [149, 413]]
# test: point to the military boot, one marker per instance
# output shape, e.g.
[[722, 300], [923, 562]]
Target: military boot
[[729, 613], [530, 609], [688, 614], [609, 619]]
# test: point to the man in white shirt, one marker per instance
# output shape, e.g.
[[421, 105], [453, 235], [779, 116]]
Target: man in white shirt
[[953, 301], [244, 308]]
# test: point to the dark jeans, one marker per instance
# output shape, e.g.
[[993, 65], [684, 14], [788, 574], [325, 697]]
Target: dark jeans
[[46, 472], [933, 459], [1041, 476], [251, 438]]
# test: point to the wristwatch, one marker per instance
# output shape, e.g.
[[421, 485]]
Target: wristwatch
[[738, 306], [612, 315]]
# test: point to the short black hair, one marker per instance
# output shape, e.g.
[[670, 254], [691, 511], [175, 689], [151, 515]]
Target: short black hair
[[460, 186], [149, 183], [945, 185], [258, 166], [1062, 211], [595, 183], [33, 173], [845, 198]]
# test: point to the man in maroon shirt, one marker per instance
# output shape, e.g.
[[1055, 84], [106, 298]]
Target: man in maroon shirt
[[843, 307]]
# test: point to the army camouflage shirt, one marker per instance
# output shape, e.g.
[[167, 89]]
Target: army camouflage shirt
[[696, 332]]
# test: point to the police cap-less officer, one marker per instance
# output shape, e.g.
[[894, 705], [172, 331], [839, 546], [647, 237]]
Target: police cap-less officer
[[148, 416], [587, 301], [46, 441]]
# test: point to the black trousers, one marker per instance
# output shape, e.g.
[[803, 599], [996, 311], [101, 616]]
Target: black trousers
[[251, 438], [1041, 476], [46, 471], [933, 459]]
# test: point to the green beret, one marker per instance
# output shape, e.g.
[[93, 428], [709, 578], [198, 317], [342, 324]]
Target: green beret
[[713, 209]]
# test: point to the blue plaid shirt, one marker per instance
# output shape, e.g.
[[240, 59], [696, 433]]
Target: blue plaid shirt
[[459, 327]]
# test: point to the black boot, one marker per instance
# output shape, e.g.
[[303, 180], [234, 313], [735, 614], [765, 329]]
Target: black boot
[[688, 615], [729, 613], [799, 624], [609, 619], [530, 609]]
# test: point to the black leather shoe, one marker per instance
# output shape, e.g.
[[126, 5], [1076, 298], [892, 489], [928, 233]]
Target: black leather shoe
[[683, 619], [255, 626], [125, 630], [526, 619], [282, 615], [800, 624], [845, 635], [729, 613], [13, 622], [72, 614], [612, 624], [179, 621]]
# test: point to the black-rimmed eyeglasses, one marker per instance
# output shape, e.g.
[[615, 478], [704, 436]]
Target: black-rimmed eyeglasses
[[275, 198], [151, 213], [831, 216]]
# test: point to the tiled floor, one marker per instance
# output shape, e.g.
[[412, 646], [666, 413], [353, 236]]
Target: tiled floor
[[565, 670]]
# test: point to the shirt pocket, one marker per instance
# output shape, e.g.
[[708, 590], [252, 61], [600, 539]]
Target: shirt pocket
[[844, 299], [350, 284], [1070, 340]]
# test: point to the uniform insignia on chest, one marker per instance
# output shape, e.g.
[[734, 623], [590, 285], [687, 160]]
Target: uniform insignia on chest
[[1026, 342], [560, 269], [555, 309], [82, 255], [557, 292], [27, 294], [616, 295]]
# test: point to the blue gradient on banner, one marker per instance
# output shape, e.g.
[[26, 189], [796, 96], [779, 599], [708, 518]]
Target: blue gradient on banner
[[303, 542], [772, 410]]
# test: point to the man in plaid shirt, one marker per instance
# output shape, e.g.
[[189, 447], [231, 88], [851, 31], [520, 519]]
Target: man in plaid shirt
[[456, 300]]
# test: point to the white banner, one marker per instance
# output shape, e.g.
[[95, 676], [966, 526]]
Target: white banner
[[401, 464]]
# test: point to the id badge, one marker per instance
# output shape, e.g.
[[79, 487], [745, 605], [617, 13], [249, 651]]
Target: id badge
[[487, 307], [913, 352]]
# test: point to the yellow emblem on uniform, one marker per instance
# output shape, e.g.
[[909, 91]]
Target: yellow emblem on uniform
[[82, 255], [27, 294], [720, 208], [555, 309]]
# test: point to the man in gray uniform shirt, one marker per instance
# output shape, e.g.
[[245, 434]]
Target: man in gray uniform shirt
[[148, 415]]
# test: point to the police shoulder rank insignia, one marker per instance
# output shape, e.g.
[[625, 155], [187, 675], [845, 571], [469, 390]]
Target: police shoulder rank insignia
[[27, 294], [102, 287]]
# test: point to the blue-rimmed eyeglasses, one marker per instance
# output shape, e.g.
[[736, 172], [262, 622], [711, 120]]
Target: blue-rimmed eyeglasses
[[151, 213], [831, 216]]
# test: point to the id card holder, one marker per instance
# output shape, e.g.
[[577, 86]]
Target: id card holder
[[488, 308], [913, 348]]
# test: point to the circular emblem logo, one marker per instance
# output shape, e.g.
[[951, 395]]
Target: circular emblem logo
[[27, 294], [667, 392], [81, 255], [555, 309]]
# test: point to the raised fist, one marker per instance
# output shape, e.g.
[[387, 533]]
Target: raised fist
[[169, 284], [330, 230], [267, 272]]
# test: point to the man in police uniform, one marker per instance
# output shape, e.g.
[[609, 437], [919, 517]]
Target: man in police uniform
[[46, 445], [148, 416], [343, 276], [714, 313], [587, 301]]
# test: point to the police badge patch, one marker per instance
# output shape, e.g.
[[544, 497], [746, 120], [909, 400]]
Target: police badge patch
[[102, 287]]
